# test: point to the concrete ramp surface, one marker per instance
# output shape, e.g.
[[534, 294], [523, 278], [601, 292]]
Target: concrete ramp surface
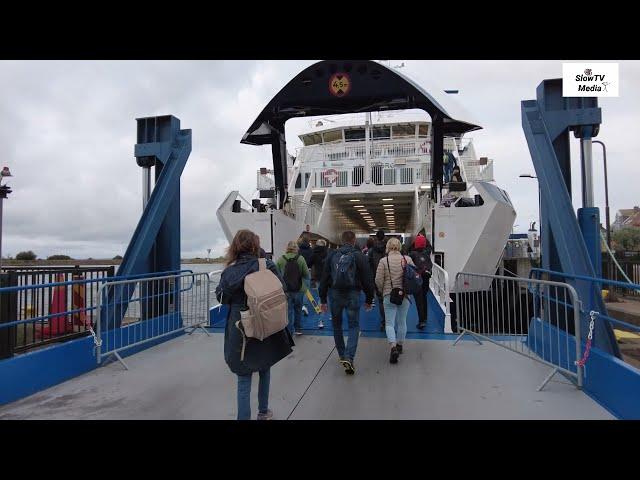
[[187, 378]]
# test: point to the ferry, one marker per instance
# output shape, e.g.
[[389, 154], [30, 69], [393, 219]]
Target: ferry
[[364, 172]]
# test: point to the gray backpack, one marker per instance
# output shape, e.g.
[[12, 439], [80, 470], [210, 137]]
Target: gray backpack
[[267, 304]]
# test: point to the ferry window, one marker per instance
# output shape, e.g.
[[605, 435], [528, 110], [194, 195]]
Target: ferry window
[[306, 179], [354, 135], [334, 136], [404, 131], [299, 181], [423, 130], [381, 132], [312, 139]]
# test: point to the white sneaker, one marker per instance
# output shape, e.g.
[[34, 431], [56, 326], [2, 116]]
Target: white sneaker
[[304, 310], [320, 325]]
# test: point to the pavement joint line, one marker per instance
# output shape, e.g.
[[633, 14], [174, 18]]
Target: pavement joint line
[[311, 383]]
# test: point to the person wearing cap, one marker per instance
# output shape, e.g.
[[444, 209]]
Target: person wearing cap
[[374, 254], [421, 256]]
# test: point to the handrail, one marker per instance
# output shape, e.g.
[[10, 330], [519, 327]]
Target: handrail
[[617, 283], [90, 280], [440, 279], [631, 286]]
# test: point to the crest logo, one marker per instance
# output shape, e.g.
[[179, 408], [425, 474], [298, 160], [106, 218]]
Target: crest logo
[[339, 84]]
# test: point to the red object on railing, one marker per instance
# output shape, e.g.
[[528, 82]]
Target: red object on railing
[[57, 323], [78, 293]]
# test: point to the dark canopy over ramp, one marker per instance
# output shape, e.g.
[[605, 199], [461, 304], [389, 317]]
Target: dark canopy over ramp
[[335, 87]]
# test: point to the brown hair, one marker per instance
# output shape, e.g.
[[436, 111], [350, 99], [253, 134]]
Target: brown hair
[[245, 241], [348, 236]]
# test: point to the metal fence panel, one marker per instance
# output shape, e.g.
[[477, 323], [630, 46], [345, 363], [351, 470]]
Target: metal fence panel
[[146, 309], [503, 312]]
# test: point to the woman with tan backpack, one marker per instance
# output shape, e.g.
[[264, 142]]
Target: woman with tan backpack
[[255, 336]]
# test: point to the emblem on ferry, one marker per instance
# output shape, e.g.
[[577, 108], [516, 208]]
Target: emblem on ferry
[[330, 176], [339, 84]]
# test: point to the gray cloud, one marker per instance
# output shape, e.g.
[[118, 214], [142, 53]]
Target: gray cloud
[[67, 131]]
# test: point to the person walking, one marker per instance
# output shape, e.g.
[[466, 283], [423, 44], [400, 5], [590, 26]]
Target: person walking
[[316, 264], [389, 280], [421, 256], [295, 272], [346, 273], [259, 356], [374, 254], [306, 251]]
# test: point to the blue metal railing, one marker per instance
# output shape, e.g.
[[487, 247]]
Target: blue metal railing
[[537, 272], [45, 294]]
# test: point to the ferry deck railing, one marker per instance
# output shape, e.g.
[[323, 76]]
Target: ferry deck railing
[[439, 284], [380, 174], [503, 314]]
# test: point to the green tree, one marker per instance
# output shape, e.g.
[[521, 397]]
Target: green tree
[[627, 238], [29, 255], [59, 257], [118, 257]]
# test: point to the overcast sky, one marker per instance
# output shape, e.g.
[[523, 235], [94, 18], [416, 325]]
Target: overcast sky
[[67, 132]]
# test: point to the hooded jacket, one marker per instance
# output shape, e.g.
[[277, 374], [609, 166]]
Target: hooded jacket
[[304, 249], [318, 258], [375, 253], [259, 355]]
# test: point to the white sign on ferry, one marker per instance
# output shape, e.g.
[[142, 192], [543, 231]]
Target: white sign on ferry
[[590, 79]]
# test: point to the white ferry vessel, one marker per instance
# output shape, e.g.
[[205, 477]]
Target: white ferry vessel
[[365, 172]]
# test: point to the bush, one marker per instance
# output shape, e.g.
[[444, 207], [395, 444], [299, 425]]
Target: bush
[[118, 257], [59, 257], [627, 238], [29, 255]]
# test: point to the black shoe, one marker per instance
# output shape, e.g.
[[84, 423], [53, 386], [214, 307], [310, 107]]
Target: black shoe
[[399, 347], [348, 366], [421, 325], [393, 358]]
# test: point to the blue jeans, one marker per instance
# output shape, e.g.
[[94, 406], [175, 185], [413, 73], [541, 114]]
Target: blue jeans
[[395, 319], [244, 394], [295, 310], [349, 301]]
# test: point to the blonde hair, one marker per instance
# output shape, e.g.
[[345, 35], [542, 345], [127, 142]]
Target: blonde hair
[[321, 243], [292, 247], [393, 244]]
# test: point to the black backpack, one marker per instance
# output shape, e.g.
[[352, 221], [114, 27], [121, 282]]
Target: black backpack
[[343, 271], [292, 274], [422, 261]]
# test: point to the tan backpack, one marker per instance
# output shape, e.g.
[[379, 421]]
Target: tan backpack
[[267, 304]]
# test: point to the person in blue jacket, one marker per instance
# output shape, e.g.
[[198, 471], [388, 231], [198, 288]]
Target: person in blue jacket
[[260, 356]]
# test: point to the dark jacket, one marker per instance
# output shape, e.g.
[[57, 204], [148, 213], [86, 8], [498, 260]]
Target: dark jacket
[[375, 253], [364, 278], [318, 258], [304, 249], [259, 355]]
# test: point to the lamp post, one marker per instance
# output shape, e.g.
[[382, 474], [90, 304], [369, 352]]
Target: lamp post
[[606, 210], [528, 175], [4, 192], [606, 192]]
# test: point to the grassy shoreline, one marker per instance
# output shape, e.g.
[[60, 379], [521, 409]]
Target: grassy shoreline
[[89, 262]]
